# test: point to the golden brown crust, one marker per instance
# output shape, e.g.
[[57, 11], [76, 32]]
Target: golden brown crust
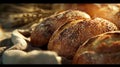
[[42, 33], [117, 19], [106, 11], [100, 49], [66, 40]]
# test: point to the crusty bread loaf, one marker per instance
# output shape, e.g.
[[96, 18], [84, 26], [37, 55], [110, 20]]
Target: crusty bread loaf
[[117, 19], [42, 33], [100, 49], [66, 40], [106, 11]]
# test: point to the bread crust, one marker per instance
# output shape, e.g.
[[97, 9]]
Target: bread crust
[[100, 49], [42, 33], [66, 40], [106, 11]]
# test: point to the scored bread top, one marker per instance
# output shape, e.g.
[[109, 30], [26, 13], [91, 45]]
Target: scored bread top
[[100, 49], [66, 40], [42, 33]]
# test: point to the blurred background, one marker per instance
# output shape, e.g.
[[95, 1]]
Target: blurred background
[[17, 16], [25, 15]]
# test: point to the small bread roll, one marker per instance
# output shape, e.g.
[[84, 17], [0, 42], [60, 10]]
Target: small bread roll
[[66, 40], [42, 33], [100, 49]]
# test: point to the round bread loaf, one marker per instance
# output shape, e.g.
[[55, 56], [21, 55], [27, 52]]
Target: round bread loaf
[[42, 33], [67, 39], [117, 19], [100, 49], [106, 11]]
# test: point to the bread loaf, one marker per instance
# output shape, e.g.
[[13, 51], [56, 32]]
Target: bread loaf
[[100, 49], [106, 11], [66, 40], [42, 33]]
